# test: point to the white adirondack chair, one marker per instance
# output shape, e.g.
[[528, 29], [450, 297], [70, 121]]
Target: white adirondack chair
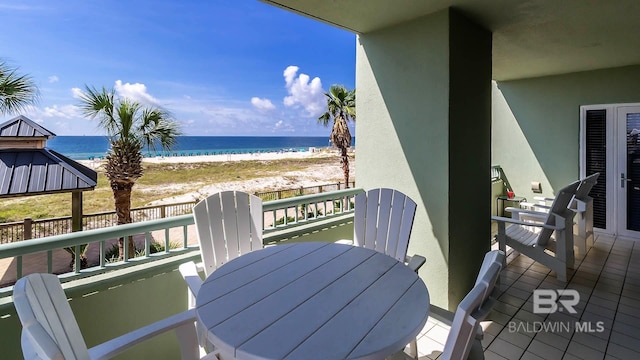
[[465, 335], [582, 205], [50, 331], [228, 224], [382, 221], [534, 238]]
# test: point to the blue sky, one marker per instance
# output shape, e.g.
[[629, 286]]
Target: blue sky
[[221, 67]]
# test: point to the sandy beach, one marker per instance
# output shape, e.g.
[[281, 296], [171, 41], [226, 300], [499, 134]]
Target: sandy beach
[[263, 156], [260, 156], [312, 175]]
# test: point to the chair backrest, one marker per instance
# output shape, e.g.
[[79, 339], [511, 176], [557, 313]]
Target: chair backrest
[[383, 219], [49, 328], [559, 207], [586, 185], [464, 326], [471, 310], [492, 257], [228, 225]]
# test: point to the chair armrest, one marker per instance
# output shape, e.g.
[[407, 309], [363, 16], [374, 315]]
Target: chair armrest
[[527, 205], [534, 206], [527, 212], [578, 205], [543, 198], [415, 262], [519, 222], [38, 344], [189, 272], [183, 322], [345, 242]]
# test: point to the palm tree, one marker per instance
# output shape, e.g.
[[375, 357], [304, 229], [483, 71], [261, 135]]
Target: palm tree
[[341, 107], [130, 127], [17, 92]]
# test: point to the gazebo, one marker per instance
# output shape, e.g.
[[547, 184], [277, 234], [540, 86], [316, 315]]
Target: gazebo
[[28, 167]]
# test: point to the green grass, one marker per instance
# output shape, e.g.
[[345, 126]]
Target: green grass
[[154, 185]]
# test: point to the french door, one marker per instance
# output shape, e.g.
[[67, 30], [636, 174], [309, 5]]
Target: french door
[[628, 162], [610, 144]]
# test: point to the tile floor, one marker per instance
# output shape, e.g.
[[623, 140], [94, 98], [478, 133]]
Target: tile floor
[[607, 279]]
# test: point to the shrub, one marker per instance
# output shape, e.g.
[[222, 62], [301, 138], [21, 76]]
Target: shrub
[[309, 210], [280, 221], [112, 254]]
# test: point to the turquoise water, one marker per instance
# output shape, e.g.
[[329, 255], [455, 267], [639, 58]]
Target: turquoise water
[[89, 147]]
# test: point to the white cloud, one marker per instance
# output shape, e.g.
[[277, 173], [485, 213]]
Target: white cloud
[[303, 93], [281, 126], [262, 104], [64, 111], [136, 92], [53, 79], [76, 93], [201, 112], [290, 74]]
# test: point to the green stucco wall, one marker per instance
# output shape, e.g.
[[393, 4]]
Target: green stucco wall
[[536, 123], [409, 77]]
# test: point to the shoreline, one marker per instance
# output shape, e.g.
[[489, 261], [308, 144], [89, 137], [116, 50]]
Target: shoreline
[[259, 156]]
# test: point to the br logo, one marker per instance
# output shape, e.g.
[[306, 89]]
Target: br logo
[[547, 301]]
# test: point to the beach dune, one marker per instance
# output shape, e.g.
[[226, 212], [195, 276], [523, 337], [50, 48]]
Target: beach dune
[[312, 175]]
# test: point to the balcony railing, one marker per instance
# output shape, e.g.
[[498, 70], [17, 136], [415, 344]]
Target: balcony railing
[[31, 229], [301, 214]]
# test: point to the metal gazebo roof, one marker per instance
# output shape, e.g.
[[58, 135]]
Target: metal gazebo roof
[[27, 167], [42, 171], [22, 127]]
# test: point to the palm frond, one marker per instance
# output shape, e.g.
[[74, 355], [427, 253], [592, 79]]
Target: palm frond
[[129, 116], [100, 104], [324, 118], [128, 121], [159, 128], [17, 92], [340, 103]]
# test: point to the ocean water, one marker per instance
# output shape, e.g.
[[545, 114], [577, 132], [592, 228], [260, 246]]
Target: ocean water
[[89, 147]]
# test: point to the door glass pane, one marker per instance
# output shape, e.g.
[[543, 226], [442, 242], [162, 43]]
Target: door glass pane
[[633, 171], [596, 161]]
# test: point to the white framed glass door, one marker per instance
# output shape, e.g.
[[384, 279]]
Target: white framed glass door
[[610, 145], [627, 209]]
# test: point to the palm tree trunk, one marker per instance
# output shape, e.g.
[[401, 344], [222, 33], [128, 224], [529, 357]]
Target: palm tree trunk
[[122, 197], [345, 166]]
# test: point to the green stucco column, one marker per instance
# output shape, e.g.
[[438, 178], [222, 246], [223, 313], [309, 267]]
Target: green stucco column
[[424, 128]]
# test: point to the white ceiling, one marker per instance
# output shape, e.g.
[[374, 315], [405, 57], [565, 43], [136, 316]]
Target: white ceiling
[[531, 38]]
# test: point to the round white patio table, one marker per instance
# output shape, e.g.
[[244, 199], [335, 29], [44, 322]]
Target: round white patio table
[[312, 301]]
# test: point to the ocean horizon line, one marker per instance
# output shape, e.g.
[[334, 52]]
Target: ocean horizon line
[[86, 147]]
